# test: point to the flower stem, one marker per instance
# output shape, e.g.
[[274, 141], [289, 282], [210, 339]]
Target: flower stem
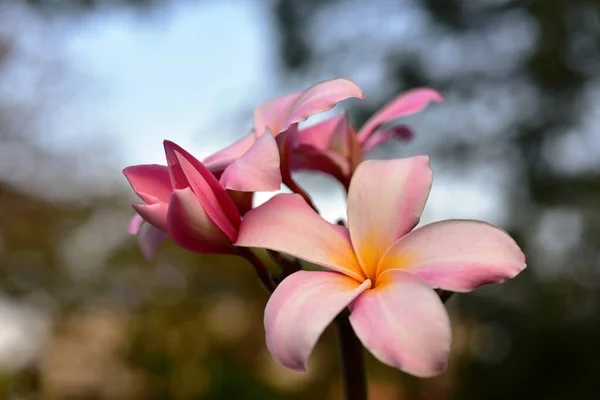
[[261, 270], [352, 361]]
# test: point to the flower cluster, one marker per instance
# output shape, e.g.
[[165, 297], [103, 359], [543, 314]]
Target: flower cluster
[[379, 267]]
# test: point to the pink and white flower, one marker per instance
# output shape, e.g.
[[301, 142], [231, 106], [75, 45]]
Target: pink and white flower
[[185, 201], [379, 267]]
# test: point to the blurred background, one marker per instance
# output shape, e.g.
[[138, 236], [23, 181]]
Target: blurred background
[[88, 87]]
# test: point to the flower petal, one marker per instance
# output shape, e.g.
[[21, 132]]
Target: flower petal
[[150, 239], [186, 171], [272, 114], [385, 202], [257, 169], [343, 136], [300, 309], [319, 135], [308, 158], [284, 142], [380, 136], [321, 97], [286, 223], [217, 162], [151, 182], [154, 214], [279, 114], [134, 224], [407, 103], [456, 255], [404, 324], [191, 227], [351, 148]]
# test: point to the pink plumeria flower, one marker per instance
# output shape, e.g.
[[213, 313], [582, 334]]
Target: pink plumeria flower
[[150, 237], [379, 267], [334, 147], [276, 116], [185, 201]]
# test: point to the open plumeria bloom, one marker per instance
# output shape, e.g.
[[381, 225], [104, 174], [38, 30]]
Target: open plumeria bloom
[[335, 148], [379, 267]]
